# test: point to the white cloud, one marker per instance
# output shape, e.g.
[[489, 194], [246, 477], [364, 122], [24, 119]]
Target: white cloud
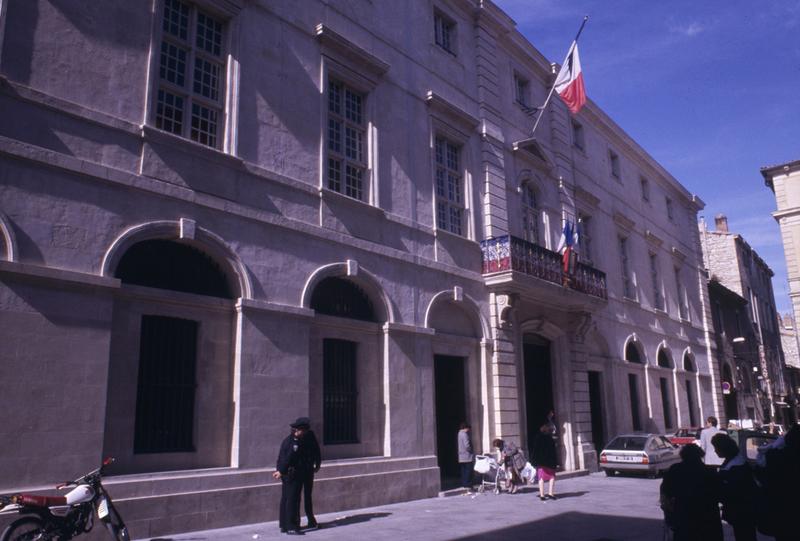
[[691, 29]]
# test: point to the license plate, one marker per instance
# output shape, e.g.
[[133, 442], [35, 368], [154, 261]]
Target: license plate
[[102, 508], [624, 458]]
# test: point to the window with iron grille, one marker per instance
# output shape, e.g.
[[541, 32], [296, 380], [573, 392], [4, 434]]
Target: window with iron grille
[[627, 280], [347, 163], [166, 385], [191, 75], [444, 31], [449, 188], [339, 392], [658, 298], [530, 214]]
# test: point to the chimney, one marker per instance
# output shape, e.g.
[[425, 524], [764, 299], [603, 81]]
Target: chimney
[[721, 223]]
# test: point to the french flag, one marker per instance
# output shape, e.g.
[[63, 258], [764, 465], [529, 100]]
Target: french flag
[[567, 246], [569, 83]]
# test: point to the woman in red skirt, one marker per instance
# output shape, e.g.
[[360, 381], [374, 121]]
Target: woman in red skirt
[[545, 460]]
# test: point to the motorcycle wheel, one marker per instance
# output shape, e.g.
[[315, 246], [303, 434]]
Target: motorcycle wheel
[[25, 529], [115, 526]]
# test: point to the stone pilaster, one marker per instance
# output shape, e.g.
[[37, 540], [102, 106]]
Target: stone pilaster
[[503, 373]]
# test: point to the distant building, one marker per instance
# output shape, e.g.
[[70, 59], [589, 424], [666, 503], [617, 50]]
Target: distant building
[[735, 265], [219, 215], [790, 342]]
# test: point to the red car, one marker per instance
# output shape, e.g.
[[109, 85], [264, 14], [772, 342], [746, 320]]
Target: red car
[[684, 436]]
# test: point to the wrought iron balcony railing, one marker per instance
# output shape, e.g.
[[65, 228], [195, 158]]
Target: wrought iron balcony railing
[[507, 253]]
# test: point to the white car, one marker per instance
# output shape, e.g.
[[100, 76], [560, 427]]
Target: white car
[[646, 453]]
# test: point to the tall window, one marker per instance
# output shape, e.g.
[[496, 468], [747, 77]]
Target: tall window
[[191, 75], [690, 401], [613, 160], [530, 215], [347, 163], [449, 189], [577, 135], [166, 385], [339, 392], [627, 280], [585, 237], [683, 309], [670, 209], [445, 32], [658, 298], [645, 184], [521, 89]]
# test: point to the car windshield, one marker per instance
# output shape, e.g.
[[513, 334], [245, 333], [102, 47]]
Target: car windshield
[[627, 443]]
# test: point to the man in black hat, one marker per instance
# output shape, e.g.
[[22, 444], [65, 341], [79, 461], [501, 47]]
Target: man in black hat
[[298, 459]]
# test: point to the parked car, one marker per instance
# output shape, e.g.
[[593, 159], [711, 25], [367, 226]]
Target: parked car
[[643, 453], [685, 435]]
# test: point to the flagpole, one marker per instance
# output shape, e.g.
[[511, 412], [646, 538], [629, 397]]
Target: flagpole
[[550, 94]]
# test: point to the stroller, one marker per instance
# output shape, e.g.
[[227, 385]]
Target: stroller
[[490, 472]]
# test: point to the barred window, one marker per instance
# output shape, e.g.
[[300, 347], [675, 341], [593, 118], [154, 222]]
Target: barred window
[[530, 214], [347, 162], [444, 31], [449, 188], [189, 95], [339, 392]]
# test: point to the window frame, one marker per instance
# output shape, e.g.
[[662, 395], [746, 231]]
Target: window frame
[[585, 237], [449, 204], [658, 295], [445, 32], [578, 135], [628, 283], [614, 165], [363, 128], [670, 209], [225, 105], [521, 90], [644, 184], [683, 301], [530, 214]]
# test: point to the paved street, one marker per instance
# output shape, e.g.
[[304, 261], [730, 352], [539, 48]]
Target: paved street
[[589, 508]]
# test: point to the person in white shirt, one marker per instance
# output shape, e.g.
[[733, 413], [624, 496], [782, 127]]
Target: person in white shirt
[[711, 457]]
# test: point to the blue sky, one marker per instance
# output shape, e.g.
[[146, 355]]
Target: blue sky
[[711, 89]]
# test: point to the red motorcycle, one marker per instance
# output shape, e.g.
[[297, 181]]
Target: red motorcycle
[[58, 518]]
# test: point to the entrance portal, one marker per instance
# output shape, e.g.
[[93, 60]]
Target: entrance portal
[[538, 384], [451, 410]]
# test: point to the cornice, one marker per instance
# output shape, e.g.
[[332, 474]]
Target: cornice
[[340, 45], [450, 111]]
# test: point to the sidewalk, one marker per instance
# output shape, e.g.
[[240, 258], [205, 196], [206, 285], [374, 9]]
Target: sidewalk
[[589, 508]]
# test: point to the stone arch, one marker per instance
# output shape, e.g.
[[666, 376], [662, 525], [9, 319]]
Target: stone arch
[[361, 277], [465, 304], [9, 240], [664, 356], [633, 351], [182, 231], [689, 362]]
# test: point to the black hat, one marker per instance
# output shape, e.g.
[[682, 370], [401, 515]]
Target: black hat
[[301, 422]]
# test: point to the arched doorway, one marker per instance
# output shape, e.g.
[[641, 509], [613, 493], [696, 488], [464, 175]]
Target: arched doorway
[[634, 355], [169, 403]]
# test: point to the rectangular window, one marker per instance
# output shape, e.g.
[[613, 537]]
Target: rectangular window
[[347, 147], [521, 90], [613, 160], [645, 189], [633, 390], [658, 298], [165, 388], [670, 210], [577, 135], [683, 309], [665, 402], [530, 214], [585, 237], [339, 392], [627, 279], [191, 74], [449, 189], [445, 32]]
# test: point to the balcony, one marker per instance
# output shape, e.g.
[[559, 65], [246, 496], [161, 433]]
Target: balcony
[[506, 255]]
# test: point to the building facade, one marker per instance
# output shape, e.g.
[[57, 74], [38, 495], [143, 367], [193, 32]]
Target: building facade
[[737, 267], [220, 215]]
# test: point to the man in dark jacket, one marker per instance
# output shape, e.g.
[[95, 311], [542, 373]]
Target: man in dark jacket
[[296, 464]]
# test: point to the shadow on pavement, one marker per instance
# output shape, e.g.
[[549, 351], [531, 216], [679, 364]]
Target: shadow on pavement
[[575, 526], [352, 519]]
